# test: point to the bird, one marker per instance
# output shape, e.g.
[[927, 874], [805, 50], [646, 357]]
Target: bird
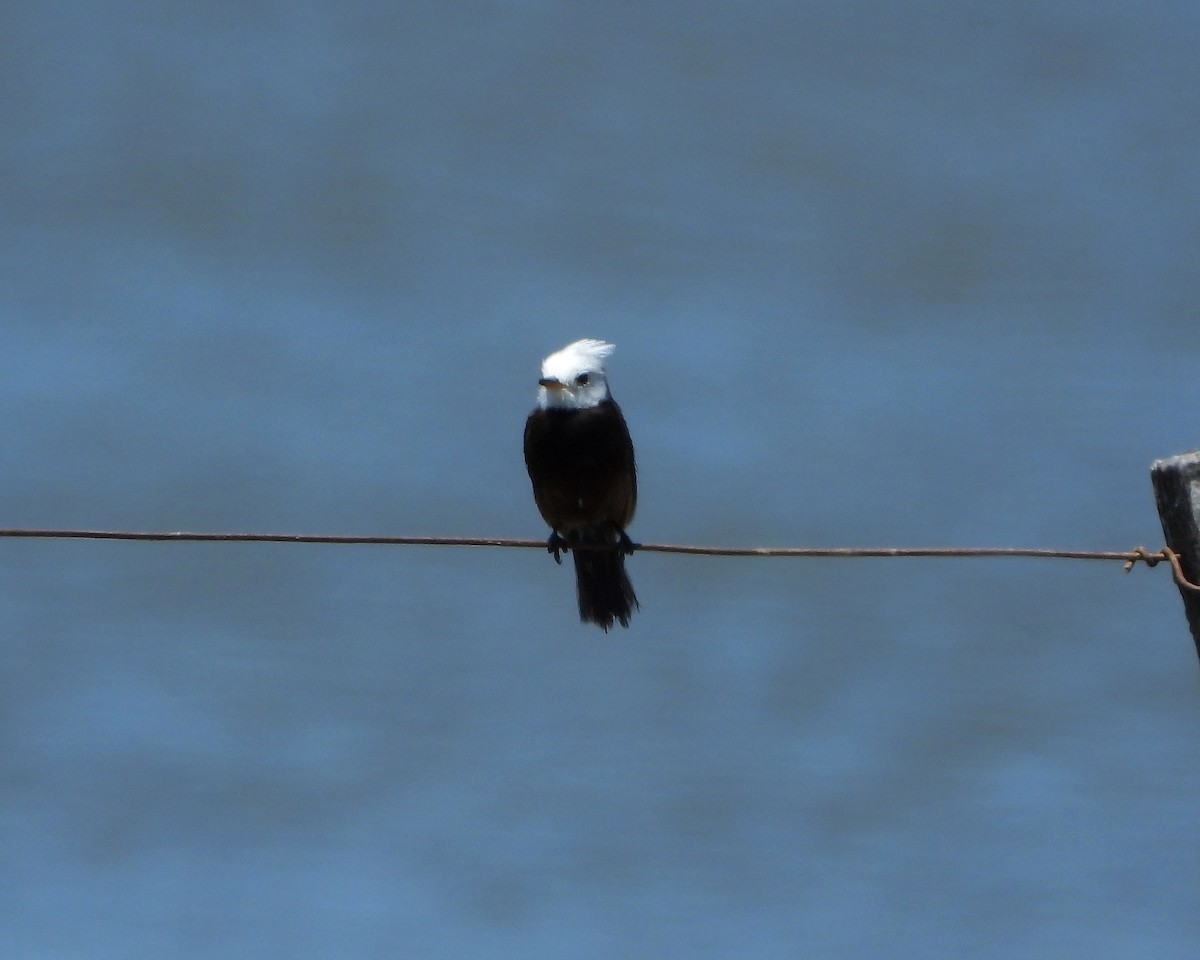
[[581, 463]]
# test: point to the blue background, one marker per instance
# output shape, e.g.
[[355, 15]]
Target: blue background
[[879, 274]]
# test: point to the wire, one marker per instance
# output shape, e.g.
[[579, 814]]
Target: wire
[[1128, 557]]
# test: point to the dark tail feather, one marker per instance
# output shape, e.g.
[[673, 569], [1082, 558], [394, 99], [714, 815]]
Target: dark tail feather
[[605, 593]]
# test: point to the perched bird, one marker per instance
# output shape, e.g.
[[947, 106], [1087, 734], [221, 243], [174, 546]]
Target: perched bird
[[580, 460]]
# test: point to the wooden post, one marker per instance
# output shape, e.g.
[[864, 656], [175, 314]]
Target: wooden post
[[1177, 492]]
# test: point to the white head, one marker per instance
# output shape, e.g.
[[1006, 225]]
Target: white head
[[574, 377]]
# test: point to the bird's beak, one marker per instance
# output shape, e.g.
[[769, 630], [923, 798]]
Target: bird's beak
[[550, 383]]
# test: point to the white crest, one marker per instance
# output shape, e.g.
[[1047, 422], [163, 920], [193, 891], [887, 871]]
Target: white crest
[[574, 378]]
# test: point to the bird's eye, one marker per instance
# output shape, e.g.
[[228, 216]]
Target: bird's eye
[[582, 380]]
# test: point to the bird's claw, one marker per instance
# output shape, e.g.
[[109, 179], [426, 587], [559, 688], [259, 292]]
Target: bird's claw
[[555, 545]]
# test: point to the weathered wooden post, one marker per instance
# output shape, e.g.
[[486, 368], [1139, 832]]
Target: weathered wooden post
[[1177, 492]]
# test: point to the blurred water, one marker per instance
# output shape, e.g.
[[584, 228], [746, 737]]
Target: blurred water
[[878, 275]]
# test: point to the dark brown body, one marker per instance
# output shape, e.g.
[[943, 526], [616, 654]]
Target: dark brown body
[[582, 468], [584, 478]]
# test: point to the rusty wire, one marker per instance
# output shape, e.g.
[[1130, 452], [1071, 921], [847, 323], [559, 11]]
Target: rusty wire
[[1128, 557]]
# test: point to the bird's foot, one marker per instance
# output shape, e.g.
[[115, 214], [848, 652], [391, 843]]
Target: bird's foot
[[624, 544], [556, 545]]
